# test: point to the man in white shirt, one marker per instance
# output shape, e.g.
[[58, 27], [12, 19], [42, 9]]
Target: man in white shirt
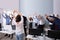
[[35, 21], [41, 23]]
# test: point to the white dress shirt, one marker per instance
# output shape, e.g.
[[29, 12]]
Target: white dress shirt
[[41, 22], [35, 20], [19, 26]]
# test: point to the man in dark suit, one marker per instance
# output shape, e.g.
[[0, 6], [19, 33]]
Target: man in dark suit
[[55, 21], [25, 24]]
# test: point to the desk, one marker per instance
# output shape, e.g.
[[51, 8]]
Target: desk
[[7, 29], [30, 37], [7, 32]]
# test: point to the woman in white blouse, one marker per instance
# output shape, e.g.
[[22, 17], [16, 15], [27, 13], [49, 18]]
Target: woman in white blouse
[[18, 21]]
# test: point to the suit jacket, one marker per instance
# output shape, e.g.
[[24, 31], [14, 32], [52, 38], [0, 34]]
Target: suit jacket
[[25, 21]]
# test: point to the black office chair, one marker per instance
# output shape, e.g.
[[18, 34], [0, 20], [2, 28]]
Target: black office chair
[[54, 34], [13, 27], [0, 27], [36, 32], [30, 24], [41, 28]]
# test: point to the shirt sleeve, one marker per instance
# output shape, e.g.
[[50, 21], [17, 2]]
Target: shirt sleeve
[[13, 21]]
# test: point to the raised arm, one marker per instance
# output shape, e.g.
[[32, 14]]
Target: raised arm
[[3, 16]]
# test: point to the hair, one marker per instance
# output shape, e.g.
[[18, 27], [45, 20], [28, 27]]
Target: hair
[[30, 19], [18, 18]]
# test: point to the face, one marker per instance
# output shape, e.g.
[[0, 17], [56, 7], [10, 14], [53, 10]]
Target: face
[[51, 19]]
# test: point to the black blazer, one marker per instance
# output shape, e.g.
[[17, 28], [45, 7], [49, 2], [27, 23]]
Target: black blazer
[[25, 20]]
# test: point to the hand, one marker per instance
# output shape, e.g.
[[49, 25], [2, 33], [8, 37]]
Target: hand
[[46, 16]]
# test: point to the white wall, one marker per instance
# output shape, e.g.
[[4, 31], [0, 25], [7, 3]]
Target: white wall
[[29, 7], [9, 4], [57, 7]]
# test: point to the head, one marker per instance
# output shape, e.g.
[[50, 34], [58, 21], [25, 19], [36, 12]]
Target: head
[[51, 19], [39, 17], [30, 19], [18, 18]]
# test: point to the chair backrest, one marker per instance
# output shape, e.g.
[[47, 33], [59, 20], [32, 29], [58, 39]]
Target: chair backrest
[[0, 27], [30, 24], [54, 34], [13, 27], [35, 32]]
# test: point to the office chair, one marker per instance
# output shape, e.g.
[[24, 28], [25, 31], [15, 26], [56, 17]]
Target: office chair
[[0, 27], [54, 34]]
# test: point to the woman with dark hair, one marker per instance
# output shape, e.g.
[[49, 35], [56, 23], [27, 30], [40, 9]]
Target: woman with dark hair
[[19, 27]]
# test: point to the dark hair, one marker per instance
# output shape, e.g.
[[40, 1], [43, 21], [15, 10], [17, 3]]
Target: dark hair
[[18, 18], [30, 19]]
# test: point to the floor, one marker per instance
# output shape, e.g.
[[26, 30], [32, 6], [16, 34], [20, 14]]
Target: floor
[[2, 37], [14, 38]]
